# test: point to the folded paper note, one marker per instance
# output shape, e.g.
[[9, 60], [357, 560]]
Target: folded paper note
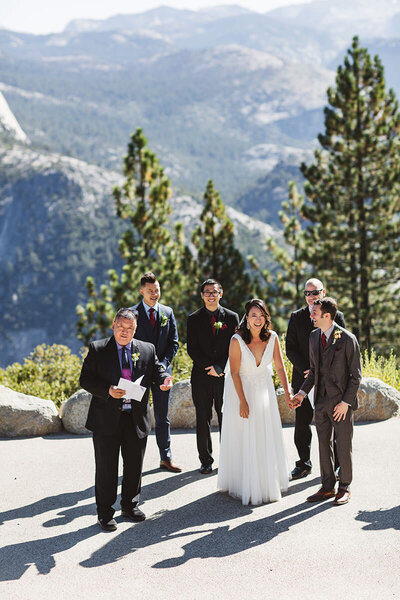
[[134, 391]]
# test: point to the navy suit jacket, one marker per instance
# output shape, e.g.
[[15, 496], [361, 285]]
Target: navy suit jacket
[[164, 337]]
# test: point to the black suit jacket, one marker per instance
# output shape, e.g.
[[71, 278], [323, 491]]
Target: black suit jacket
[[203, 347], [101, 368], [344, 376], [163, 336], [297, 343]]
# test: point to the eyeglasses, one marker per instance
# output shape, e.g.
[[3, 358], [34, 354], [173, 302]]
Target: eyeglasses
[[208, 294], [312, 292]]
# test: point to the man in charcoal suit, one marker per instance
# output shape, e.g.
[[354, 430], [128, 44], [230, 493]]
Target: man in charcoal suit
[[297, 350], [335, 371], [117, 423], [156, 324], [209, 332]]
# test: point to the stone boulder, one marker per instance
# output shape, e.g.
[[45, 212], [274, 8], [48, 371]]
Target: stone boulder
[[73, 412], [377, 400], [22, 415], [182, 413]]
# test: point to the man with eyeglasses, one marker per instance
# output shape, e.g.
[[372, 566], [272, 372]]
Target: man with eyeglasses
[[297, 350], [209, 331]]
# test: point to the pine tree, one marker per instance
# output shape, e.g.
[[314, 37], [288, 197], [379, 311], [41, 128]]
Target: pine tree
[[217, 256], [284, 287], [147, 245], [353, 199]]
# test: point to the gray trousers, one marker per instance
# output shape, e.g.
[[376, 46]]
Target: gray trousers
[[343, 430]]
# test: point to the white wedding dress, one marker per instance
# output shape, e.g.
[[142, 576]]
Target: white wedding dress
[[252, 460]]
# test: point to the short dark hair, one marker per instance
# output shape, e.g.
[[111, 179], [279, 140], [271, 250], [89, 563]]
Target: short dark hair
[[210, 282], [148, 278], [328, 305], [126, 313]]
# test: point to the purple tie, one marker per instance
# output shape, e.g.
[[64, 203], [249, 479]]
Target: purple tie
[[126, 369]]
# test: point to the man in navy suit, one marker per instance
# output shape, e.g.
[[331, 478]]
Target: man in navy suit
[[156, 324]]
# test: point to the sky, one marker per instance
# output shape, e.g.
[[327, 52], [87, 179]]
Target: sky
[[51, 16]]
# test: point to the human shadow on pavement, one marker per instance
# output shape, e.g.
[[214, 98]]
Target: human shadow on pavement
[[380, 519], [15, 559], [189, 520], [50, 503]]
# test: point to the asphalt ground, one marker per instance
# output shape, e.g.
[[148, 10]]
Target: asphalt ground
[[197, 543]]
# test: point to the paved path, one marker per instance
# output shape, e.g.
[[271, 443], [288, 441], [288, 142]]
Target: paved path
[[196, 543]]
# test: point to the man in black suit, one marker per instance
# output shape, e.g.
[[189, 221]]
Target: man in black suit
[[297, 350], [156, 324], [209, 331], [117, 423], [335, 371]]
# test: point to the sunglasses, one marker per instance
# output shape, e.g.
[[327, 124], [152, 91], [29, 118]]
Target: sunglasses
[[312, 293]]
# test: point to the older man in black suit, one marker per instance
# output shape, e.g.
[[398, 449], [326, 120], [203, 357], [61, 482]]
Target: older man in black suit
[[209, 331], [335, 371], [297, 350], [119, 424]]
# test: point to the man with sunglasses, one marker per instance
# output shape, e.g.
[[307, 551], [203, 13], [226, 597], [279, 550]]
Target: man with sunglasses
[[209, 332], [297, 350]]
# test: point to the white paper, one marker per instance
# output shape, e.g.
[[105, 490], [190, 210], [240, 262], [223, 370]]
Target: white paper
[[134, 391], [311, 397]]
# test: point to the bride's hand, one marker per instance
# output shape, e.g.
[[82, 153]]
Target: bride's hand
[[244, 409]]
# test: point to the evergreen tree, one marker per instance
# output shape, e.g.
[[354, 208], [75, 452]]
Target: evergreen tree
[[353, 199], [147, 245], [217, 256], [284, 287]]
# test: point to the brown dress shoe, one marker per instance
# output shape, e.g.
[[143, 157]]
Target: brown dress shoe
[[169, 466], [321, 495], [342, 497]]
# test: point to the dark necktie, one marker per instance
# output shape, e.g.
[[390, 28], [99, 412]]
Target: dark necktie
[[212, 323], [323, 340], [152, 318], [126, 368]]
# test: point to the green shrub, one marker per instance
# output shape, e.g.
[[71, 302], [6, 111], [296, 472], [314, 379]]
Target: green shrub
[[385, 369], [287, 363], [181, 365], [50, 372]]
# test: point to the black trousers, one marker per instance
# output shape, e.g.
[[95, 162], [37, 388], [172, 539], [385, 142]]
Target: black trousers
[[303, 435], [206, 392], [106, 450]]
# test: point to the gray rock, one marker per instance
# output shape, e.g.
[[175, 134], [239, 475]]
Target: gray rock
[[378, 401], [182, 413], [22, 415], [73, 412]]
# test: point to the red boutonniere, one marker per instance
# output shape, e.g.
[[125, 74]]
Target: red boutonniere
[[219, 325]]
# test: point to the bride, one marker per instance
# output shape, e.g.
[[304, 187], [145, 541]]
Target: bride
[[252, 462]]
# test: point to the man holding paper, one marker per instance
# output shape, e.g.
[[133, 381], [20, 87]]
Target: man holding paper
[[120, 420]]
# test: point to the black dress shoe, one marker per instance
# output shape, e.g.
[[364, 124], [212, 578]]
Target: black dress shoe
[[134, 514], [107, 524], [299, 472], [206, 469]]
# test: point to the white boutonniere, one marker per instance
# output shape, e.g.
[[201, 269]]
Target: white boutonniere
[[135, 358], [337, 334], [219, 325], [164, 320]]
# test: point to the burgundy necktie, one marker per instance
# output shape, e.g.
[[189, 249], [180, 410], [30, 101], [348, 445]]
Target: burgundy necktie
[[212, 323], [323, 340], [152, 317]]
